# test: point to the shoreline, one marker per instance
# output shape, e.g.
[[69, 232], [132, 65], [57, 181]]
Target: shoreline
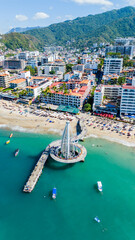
[[13, 117], [57, 132]]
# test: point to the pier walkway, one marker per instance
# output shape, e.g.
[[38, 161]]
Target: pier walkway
[[79, 158], [30, 184], [50, 150]]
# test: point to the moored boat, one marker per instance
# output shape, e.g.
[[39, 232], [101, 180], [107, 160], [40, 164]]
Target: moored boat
[[54, 192], [11, 135], [99, 186], [7, 142], [16, 152]]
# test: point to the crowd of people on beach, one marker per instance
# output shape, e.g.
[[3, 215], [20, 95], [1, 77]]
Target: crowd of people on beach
[[25, 110], [94, 124], [109, 125]]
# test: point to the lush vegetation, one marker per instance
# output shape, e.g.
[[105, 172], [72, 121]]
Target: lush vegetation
[[9, 55], [101, 64], [16, 40], [112, 54], [85, 31], [69, 67], [80, 32], [121, 80], [87, 107], [52, 72], [127, 62], [33, 71]]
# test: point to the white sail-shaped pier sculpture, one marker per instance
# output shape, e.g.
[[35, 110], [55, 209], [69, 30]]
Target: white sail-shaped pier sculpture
[[67, 150]]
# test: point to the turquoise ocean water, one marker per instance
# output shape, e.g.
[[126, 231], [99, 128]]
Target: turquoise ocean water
[[70, 217]]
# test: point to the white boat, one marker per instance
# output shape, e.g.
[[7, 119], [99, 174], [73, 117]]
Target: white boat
[[54, 192], [97, 219], [16, 152], [99, 185]]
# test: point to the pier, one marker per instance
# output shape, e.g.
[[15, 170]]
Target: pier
[[66, 151], [79, 158], [30, 184]]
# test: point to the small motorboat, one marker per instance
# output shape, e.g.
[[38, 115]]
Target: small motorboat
[[54, 192], [99, 186], [97, 219], [16, 152], [7, 142], [11, 135]]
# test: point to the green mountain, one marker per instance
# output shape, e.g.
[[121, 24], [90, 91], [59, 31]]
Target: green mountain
[[86, 30], [24, 41], [80, 32]]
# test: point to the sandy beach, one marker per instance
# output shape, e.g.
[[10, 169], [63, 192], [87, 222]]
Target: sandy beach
[[19, 118]]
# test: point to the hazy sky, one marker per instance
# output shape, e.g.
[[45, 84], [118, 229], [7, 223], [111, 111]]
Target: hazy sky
[[16, 13]]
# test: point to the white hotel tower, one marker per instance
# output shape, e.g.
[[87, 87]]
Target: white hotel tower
[[128, 99]]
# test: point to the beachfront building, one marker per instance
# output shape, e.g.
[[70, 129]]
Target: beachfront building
[[107, 98], [98, 98], [112, 91], [18, 83], [113, 65], [36, 86], [127, 106], [73, 98], [4, 80]]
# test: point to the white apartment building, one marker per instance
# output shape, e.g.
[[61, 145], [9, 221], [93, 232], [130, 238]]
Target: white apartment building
[[78, 67], [127, 106], [74, 98], [91, 65], [112, 91], [46, 68], [98, 98], [25, 74], [23, 55], [32, 62], [113, 65], [2, 58], [33, 54], [49, 58], [4, 80], [36, 89]]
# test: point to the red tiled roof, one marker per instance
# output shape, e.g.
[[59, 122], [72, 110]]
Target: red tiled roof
[[19, 80]]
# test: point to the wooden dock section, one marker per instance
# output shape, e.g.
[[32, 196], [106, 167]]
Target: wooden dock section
[[30, 184]]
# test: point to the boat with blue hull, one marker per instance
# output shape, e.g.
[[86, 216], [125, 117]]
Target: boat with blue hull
[[54, 193]]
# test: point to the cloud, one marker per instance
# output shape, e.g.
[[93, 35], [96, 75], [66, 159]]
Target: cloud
[[101, 2], [40, 15], [131, 2], [21, 18]]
